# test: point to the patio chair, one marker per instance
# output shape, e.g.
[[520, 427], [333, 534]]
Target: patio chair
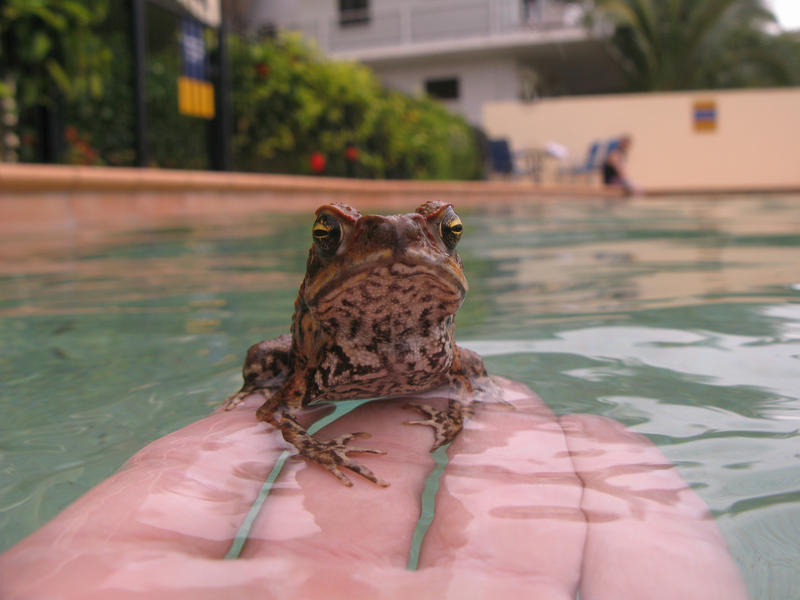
[[591, 164], [510, 164], [502, 163]]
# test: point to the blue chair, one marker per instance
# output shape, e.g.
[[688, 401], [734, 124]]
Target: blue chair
[[514, 164], [588, 166], [500, 157]]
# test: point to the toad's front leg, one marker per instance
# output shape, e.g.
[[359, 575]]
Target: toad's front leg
[[265, 370], [468, 384], [329, 454]]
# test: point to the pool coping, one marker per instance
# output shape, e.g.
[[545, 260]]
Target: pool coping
[[37, 177], [38, 198], [31, 178]]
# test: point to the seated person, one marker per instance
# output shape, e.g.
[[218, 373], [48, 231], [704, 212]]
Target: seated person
[[614, 171]]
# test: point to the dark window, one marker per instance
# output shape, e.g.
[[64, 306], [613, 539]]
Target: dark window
[[353, 12], [443, 89]]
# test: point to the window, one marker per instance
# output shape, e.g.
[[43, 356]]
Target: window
[[445, 88], [353, 12]]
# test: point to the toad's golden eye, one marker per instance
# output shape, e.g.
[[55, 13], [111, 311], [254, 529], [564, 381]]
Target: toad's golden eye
[[451, 228], [327, 233]]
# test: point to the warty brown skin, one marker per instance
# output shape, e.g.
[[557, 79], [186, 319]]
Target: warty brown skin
[[374, 317]]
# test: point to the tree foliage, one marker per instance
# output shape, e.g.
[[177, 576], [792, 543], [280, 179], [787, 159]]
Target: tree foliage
[[288, 101], [692, 44], [50, 49]]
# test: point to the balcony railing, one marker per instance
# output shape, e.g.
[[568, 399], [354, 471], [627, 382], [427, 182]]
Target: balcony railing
[[417, 24]]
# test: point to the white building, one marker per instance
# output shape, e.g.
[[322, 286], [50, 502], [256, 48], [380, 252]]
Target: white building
[[464, 52]]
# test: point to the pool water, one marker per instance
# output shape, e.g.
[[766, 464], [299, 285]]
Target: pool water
[[679, 317]]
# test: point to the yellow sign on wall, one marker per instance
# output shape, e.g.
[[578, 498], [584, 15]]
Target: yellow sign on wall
[[705, 115], [195, 92], [195, 98]]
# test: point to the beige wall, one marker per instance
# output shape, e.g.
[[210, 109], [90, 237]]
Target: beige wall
[[756, 144]]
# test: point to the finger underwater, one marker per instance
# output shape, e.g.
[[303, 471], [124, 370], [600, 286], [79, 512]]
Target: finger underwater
[[509, 502], [649, 534]]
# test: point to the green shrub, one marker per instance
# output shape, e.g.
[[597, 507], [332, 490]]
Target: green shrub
[[289, 102]]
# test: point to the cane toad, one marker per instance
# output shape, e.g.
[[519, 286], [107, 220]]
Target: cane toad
[[374, 317]]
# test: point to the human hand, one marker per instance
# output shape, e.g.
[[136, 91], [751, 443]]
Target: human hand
[[528, 505]]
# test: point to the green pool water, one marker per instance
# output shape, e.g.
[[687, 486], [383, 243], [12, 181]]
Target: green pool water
[[679, 317]]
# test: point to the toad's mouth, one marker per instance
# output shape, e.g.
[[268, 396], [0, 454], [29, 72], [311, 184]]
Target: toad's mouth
[[389, 269], [400, 284]]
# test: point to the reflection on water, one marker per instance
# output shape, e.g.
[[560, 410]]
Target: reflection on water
[[677, 317]]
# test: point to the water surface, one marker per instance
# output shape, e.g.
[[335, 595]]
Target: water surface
[[679, 317]]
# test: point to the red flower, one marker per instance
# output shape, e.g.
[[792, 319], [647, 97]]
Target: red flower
[[317, 162], [351, 153], [71, 134], [262, 69]]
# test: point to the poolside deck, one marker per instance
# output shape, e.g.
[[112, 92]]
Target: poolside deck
[[45, 197]]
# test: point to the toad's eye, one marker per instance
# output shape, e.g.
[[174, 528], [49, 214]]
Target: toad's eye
[[451, 228], [327, 234]]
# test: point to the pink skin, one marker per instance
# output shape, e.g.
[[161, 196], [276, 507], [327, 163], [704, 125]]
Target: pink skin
[[529, 506]]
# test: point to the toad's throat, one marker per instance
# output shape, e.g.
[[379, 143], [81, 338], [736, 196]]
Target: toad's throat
[[383, 351]]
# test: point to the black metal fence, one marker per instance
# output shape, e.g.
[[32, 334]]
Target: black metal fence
[[137, 116]]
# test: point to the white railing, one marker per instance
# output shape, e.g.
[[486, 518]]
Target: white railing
[[419, 23]]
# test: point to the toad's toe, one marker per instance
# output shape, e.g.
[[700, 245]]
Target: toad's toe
[[331, 454], [234, 400], [446, 424]]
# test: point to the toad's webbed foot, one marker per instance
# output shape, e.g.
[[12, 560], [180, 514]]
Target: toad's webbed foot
[[488, 392], [236, 399], [331, 454], [469, 382], [265, 370], [267, 392], [447, 424]]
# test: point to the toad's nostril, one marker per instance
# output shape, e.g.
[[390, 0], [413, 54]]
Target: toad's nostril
[[381, 232], [410, 233], [376, 229]]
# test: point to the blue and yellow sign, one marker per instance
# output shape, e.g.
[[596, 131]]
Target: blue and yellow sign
[[705, 115], [195, 94]]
